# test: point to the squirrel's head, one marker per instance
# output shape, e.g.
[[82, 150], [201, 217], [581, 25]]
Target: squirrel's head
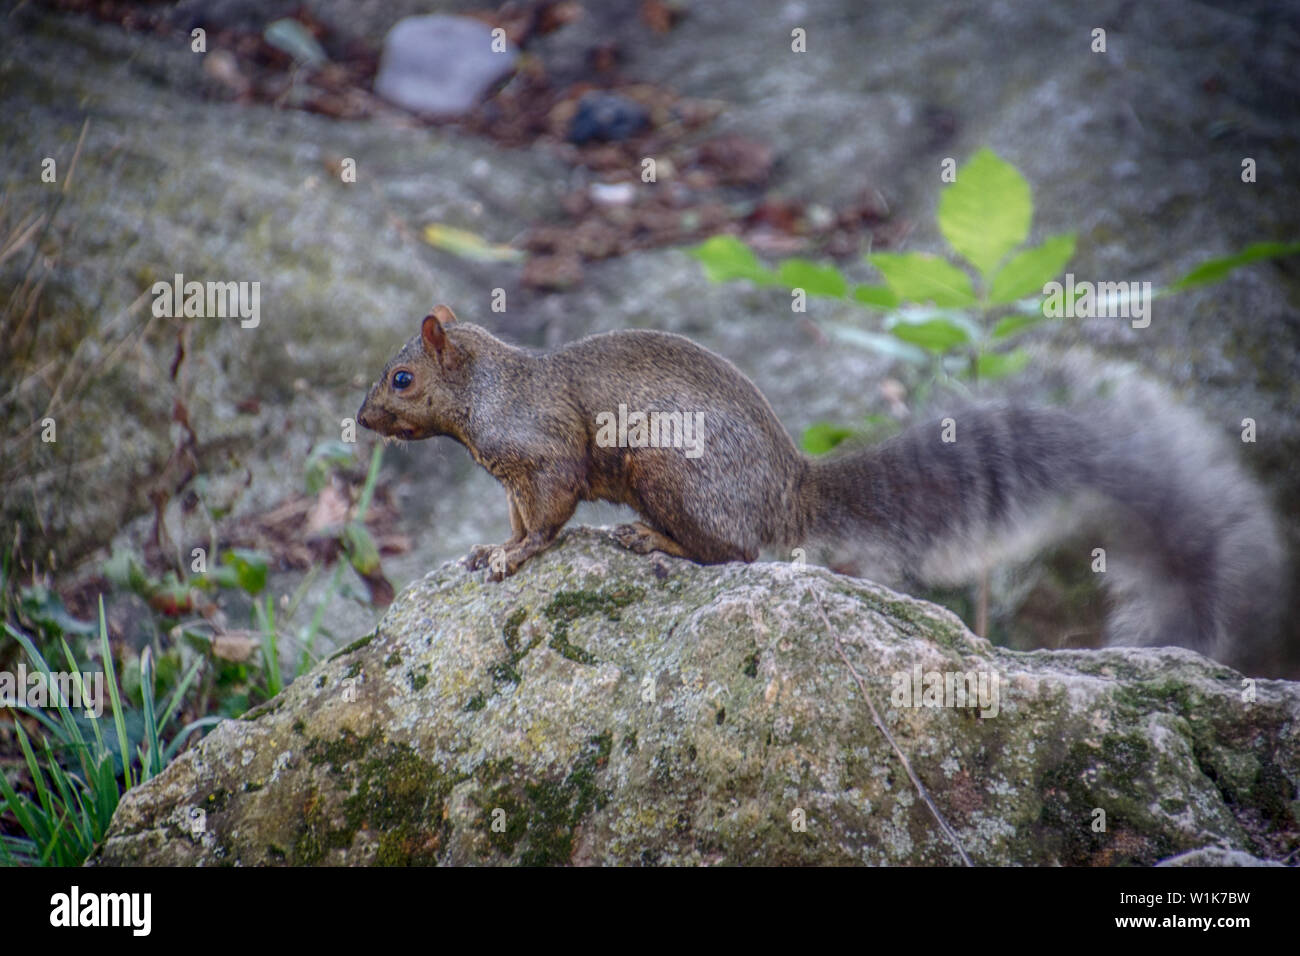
[[421, 393]]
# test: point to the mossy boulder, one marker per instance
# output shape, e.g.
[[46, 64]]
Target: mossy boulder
[[606, 708]]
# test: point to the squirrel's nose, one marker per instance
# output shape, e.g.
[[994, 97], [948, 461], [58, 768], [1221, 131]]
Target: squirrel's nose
[[362, 418]]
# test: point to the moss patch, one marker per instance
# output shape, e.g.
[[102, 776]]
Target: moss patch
[[261, 710], [568, 606], [391, 790], [538, 818], [316, 835], [1087, 779], [355, 645], [506, 671], [510, 630]]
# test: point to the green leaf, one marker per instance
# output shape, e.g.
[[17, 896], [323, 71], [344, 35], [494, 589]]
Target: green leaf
[[812, 278], [883, 344], [323, 459], [1028, 271], [1001, 364], [934, 335], [222, 576], [46, 609], [178, 693], [821, 437], [1213, 270], [293, 38], [125, 570], [986, 212], [915, 277], [151, 750], [1010, 325], [250, 569], [119, 720], [360, 548], [725, 258], [877, 296]]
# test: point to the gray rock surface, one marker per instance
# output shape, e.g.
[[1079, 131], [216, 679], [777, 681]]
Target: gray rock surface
[[605, 708], [1216, 856], [441, 66]]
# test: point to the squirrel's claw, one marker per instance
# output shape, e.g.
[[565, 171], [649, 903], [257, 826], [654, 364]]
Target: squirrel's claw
[[632, 537], [480, 555], [642, 539], [495, 558]]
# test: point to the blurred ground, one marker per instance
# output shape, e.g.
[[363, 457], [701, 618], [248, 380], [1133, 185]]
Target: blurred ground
[[226, 165]]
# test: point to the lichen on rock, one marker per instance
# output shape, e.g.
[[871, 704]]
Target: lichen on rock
[[601, 707]]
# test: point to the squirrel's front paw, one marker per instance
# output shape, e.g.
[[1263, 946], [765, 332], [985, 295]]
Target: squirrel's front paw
[[500, 564], [481, 556]]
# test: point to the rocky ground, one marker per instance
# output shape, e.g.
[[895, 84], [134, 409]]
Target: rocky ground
[[603, 708]]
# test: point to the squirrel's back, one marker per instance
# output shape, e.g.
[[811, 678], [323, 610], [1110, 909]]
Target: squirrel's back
[[730, 494]]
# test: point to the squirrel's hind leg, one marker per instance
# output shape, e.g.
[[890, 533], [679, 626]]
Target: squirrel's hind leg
[[642, 539]]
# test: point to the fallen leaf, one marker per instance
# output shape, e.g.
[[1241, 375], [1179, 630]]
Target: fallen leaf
[[467, 245]]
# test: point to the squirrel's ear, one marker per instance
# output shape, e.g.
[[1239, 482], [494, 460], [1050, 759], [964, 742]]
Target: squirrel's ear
[[432, 334], [444, 314]]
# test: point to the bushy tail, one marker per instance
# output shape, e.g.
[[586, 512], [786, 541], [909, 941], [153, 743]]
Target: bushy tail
[[1192, 553], [1203, 563]]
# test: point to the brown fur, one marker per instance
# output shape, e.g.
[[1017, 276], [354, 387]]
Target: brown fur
[[1196, 554]]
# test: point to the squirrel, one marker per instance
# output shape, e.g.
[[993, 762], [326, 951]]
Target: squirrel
[[1194, 555]]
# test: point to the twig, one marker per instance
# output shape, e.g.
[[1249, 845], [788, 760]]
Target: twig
[[54, 210], [948, 831], [20, 236]]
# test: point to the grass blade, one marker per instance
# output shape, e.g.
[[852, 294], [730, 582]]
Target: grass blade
[[174, 702], [153, 758], [119, 720], [170, 753]]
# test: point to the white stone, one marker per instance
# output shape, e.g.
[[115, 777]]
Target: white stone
[[440, 65]]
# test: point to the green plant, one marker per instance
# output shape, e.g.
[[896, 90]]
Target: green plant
[[243, 683], [78, 780], [77, 773], [363, 556], [958, 321]]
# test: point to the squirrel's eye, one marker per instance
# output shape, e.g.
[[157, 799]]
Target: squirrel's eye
[[401, 380]]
